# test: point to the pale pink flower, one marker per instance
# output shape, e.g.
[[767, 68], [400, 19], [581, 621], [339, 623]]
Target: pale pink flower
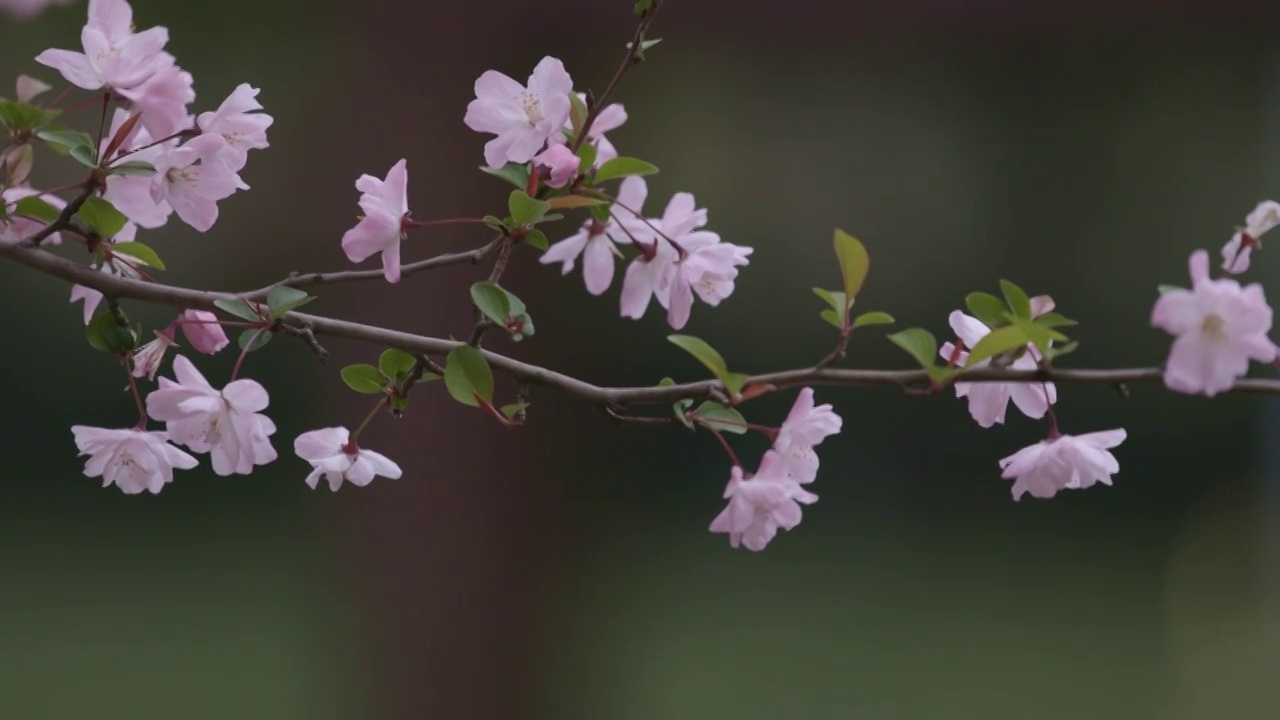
[[989, 400], [113, 266], [335, 458], [806, 426], [1219, 327], [386, 206], [237, 121], [202, 330], [28, 9], [147, 359], [132, 460], [559, 163], [523, 118], [1068, 462], [610, 118], [191, 181], [594, 242], [131, 194], [707, 268], [760, 505], [225, 423], [163, 99], [17, 228], [114, 56], [1235, 254], [28, 88]]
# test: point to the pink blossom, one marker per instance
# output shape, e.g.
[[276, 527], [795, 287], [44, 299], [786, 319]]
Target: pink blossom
[[163, 98], [560, 164], [523, 118], [28, 9], [18, 228], [113, 266], [202, 330], [334, 457], [238, 123], [703, 265], [1064, 463], [131, 194], [594, 242], [132, 460], [147, 359], [114, 56], [806, 426], [988, 401], [610, 118], [386, 205], [1235, 254], [28, 88], [760, 505], [1219, 327], [225, 423], [190, 181]]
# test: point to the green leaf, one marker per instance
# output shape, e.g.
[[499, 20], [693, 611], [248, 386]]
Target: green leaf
[[399, 404], [941, 373], [733, 382], [586, 157], [577, 113], [1039, 335], [61, 140], [495, 223], [704, 353], [397, 364], [919, 344], [987, 307], [854, 263], [1162, 289], [238, 307], [19, 116], [623, 167], [510, 411], [1060, 350], [873, 318], [253, 339], [85, 156], [1000, 340], [364, 379], [645, 45], [34, 207], [492, 301], [139, 251], [838, 301], [524, 209], [525, 324], [101, 217], [720, 418], [134, 167], [600, 213], [468, 377], [535, 238], [517, 175], [106, 334], [680, 406], [833, 318], [643, 6], [569, 202], [283, 299], [1018, 301], [1053, 319]]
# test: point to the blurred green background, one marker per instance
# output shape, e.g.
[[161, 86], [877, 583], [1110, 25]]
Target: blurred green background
[[565, 570]]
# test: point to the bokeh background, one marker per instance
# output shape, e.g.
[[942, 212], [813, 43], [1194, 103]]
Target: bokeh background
[[564, 570]]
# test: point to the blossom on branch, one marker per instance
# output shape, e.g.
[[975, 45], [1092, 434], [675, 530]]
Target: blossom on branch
[[1235, 254], [594, 242], [15, 228], [190, 180], [523, 118], [237, 121], [163, 98], [225, 423], [558, 163], [202, 331], [335, 458], [386, 207], [131, 194], [147, 359], [133, 460], [1219, 328], [611, 118], [1067, 462], [113, 265], [761, 504], [988, 401], [114, 56], [806, 426]]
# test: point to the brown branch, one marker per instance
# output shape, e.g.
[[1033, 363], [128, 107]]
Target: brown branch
[[634, 55], [911, 381], [63, 221]]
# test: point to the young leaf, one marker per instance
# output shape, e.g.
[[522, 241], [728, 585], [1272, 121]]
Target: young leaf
[[704, 353], [1000, 340], [873, 318], [283, 299], [240, 308], [85, 155], [37, 209], [467, 376], [1039, 335], [517, 175], [1060, 350], [577, 113], [254, 338], [836, 299], [569, 202], [733, 382], [524, 209], [1017, 298], [623, 167], [831, 317], [492, 301], [64, 140], [397, 364], [720, 418], [108, 335], [134, 167], [986, 307], [1053, 319], [586, 157], [139, 251], [854, 263], [363, 379], [101, 217], [510, 411], [919, 344], [19, 116], [680, 406], [535, 238], [643, 6]]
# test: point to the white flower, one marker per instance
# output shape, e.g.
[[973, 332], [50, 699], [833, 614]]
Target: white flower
[[333, 456], [1064, 463], [132, 460]]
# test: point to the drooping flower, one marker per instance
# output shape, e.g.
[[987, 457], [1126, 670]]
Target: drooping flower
[[16, 227], [1068, 462], [335, 458], [28, 9], [202, 330], [806, 426], [594, 242], [560, 165], [239, 123], [386, 206], [131, 459], [147, 359], [1235, 254], [523, 117], [114, 56], [225, 423], [989, 400], [1219, 328], [758, 506], [192, 182]]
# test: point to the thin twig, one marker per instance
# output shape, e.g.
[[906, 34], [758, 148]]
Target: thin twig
[[634, 54], [63, 221]]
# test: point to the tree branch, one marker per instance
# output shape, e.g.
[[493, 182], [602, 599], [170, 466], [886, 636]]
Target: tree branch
[[911, 381]]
